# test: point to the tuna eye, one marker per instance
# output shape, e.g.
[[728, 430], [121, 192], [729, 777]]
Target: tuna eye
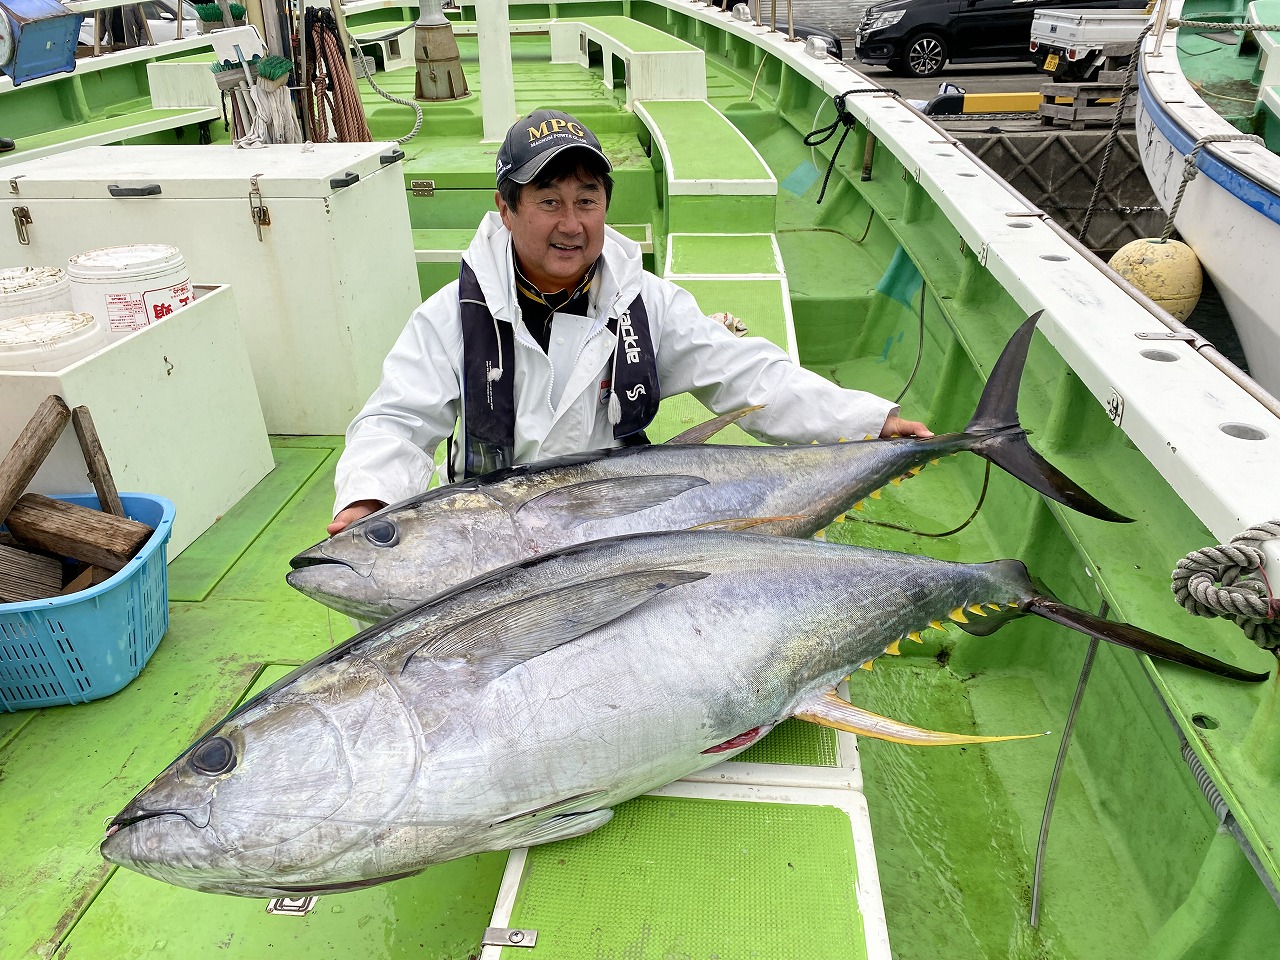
[[214, 756], [382, 533]]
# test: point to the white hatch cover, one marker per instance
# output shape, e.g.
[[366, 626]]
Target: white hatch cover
[[186, 172]]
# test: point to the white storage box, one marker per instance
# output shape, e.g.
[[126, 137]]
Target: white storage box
[[174, 405], [324, 275]]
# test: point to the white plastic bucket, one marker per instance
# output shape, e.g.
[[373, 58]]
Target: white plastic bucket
[[25, 290], [49, 341], [131, 286]]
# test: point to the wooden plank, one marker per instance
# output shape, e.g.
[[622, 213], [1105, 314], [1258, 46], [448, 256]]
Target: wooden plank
[[96, 460], [30, 449], [27, 576], [72, 531]]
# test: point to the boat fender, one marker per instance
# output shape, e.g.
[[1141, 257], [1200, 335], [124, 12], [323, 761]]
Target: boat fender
[[1165, 270]]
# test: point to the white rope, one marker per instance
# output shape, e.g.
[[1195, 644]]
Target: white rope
[[1229, 581], [367, 68]]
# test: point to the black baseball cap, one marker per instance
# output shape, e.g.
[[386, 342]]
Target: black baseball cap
[[533, 140]]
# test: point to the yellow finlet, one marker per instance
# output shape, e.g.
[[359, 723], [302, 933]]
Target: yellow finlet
[[841, 519], [915, 635], [958, 615], [867, 665], [975, 608], [994, 606], [896, 481], [937, 625], [875, 494], [915, 471], [858, 505], [892, 649]]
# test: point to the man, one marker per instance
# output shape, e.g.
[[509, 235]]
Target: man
[[554, 341]]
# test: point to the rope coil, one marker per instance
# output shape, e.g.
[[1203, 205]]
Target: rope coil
[[1229, 580]]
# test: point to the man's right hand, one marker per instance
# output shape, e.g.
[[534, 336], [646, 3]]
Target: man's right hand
[[352, 513]]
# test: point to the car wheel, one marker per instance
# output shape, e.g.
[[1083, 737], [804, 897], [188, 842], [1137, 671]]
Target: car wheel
[[925, 55]]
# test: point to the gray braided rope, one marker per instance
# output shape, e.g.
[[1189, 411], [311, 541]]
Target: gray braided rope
[[1115, 132], [1223, 25], [1190, 168], [1227, 581]]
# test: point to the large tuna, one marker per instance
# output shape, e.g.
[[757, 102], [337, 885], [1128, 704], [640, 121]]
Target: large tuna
[[414, 549], [522, 707]]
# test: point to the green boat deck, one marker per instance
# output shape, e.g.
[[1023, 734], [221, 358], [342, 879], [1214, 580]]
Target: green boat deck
[[757, 857]]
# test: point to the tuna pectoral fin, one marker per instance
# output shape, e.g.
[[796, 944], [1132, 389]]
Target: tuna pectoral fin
[[1006, 444], [828, 710], [503, 636], [562, 828], [1135, 638], [577, 503], [705, 431]]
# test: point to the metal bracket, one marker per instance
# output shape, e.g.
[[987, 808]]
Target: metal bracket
[[423, 188], [258, 213], [509, 937], [13, 183], [1115, 407], [1190, 337], [292, 906], [22, 220]]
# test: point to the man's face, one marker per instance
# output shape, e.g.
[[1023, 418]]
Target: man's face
[[558, 230]]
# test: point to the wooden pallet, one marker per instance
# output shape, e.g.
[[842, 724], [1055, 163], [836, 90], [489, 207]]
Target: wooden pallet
[[1084, 106]]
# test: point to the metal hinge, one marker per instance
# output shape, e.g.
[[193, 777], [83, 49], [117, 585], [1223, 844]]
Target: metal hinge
[[509, 937], [258, 212], [22, 220], [1190, 337], [13, 183], [423, 188], [292, 906]]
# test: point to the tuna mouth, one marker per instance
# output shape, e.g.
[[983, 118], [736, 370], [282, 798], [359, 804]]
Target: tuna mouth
[[304, 560], [196, 816]]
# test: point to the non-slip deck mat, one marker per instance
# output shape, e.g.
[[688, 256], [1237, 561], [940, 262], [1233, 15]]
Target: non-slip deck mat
[[671, 877]]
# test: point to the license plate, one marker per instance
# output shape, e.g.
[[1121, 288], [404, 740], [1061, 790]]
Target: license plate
[[1051, 63]]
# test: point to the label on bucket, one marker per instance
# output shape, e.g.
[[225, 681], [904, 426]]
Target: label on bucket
[[132, 310]]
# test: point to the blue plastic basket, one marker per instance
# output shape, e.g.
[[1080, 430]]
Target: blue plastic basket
[[90, 644]]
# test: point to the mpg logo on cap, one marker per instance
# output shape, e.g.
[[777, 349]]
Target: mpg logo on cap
[[533, 140]]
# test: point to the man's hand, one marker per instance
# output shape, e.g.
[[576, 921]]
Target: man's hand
[[897, 427], [352, 513]]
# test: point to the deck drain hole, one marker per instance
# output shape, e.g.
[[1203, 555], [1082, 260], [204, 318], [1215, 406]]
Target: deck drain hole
[[1054, 257], [1243, 431], [1204, 721], [1161, 356]]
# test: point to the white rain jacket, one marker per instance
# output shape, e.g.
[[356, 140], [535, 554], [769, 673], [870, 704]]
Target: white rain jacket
[[559, 399]]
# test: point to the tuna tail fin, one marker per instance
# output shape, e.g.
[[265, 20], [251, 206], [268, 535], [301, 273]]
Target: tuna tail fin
[[1000, 438], [1135, 638]]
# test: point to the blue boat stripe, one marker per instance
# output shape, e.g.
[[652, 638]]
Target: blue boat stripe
[[1240, 185]]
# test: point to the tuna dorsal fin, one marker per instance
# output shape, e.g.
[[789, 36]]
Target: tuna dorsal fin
[[828, 710], [611, 497], [705, 431], [521, 630]]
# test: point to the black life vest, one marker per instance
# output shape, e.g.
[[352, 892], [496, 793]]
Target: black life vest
[[488, 427]]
